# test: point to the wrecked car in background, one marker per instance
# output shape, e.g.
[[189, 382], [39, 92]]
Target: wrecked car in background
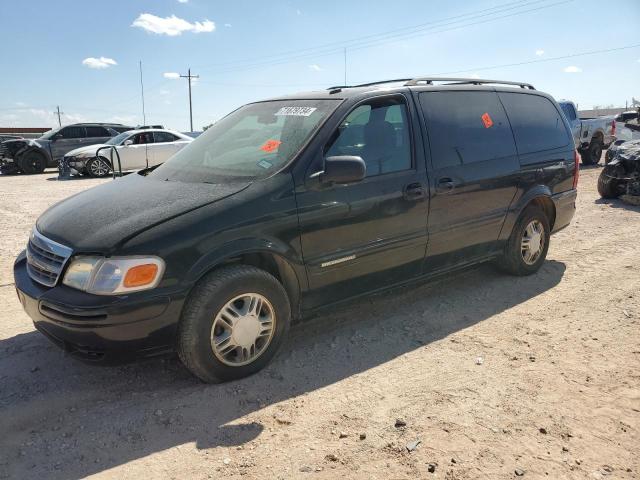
[[33, 156], [621, 176], [136, 149]]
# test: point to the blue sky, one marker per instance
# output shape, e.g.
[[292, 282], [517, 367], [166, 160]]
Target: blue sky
[[84, 56]]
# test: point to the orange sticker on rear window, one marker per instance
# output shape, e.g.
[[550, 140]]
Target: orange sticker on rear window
[[486, 119], [270, 146]]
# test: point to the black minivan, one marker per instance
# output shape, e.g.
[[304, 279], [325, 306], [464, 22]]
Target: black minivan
[[296, 203]]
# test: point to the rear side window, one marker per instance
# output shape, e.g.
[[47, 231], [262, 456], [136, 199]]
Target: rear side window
[[97, 132], [537, 124], [164, 137], [72, 132], [466, 127]]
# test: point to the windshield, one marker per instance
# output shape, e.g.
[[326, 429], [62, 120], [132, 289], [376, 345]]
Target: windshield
[[50, 133], [251, 143], [118, 139]]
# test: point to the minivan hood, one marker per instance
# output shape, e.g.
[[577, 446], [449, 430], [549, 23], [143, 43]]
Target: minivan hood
[[88, 151], [101, 218]]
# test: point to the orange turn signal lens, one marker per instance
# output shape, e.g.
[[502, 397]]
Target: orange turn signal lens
[[140, 275]]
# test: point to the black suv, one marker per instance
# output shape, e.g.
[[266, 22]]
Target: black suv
[[33, 156], [296, 203]]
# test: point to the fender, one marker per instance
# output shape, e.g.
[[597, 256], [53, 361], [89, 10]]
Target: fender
[[246, 246], [516, 208], [289, 264], [20, 147]]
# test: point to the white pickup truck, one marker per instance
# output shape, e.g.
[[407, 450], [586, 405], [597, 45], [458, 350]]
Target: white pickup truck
[[591, 135]]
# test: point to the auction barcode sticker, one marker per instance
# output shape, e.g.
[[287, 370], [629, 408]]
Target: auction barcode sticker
[[296, 111]]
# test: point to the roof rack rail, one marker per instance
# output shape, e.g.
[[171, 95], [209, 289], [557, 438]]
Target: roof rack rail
[[381, 82], [409, 82], [465, 81]]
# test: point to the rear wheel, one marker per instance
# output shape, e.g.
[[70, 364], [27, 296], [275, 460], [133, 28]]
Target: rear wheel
[[528, 244], [98, 167], [233, 323], [32, 162]]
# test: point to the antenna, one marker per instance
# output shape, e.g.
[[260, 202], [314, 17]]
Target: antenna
[[144, 116], [345, 66]]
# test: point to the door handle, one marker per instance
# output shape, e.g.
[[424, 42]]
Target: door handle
[[413, 191], [445, 184]]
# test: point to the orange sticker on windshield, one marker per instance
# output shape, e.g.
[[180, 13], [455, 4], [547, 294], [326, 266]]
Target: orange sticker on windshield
[[270, 146], [486, 119]]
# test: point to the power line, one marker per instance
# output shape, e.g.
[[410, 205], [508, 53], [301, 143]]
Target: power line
[[541, 60], [339, 45], [452, 23]]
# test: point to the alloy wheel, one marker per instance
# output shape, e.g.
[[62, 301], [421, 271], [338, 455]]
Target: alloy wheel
[[533, 241], [242, 330]]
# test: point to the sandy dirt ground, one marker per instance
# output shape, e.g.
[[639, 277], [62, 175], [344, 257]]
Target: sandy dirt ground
[[495, 376]]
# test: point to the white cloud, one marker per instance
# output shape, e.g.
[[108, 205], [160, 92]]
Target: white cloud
[[183, 1], [171, 75], [298, 12], [102, 62], [228, 25], [539, 52], [315, 68], [572, 69], [475, 75], [172, 25]]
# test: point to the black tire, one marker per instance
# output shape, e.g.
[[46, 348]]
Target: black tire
[[591, 155], [512, 260], [98, 167], [207, 299], [32, 162], [608, 185]]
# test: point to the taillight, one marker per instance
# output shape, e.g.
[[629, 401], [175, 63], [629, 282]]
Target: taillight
[[613, 127], [576, 172]]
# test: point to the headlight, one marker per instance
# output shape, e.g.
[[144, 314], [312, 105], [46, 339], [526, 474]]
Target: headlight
[[112, 276]]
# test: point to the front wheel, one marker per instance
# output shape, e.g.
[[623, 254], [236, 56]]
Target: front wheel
[[608, 184], [233, 323], [98, 167], [528, 244], [32, 162]]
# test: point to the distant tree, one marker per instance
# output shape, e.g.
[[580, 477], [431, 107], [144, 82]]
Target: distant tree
[[634, 102]]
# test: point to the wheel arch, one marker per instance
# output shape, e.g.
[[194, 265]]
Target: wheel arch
[[598, 136], [539, 196], [286, 268]]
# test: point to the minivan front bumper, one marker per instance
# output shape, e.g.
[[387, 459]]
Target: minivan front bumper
[[100, 329]]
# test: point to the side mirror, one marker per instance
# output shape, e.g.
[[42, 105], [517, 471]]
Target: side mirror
[[57, 136], [343, 169], [128, 142]]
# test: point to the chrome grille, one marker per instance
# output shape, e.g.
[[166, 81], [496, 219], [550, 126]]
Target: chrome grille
[[45, 259]]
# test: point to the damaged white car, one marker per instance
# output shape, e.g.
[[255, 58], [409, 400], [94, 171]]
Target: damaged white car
[[137, 149]]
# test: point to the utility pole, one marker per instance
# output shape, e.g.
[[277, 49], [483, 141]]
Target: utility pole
[[58, 112], [188, 76]]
